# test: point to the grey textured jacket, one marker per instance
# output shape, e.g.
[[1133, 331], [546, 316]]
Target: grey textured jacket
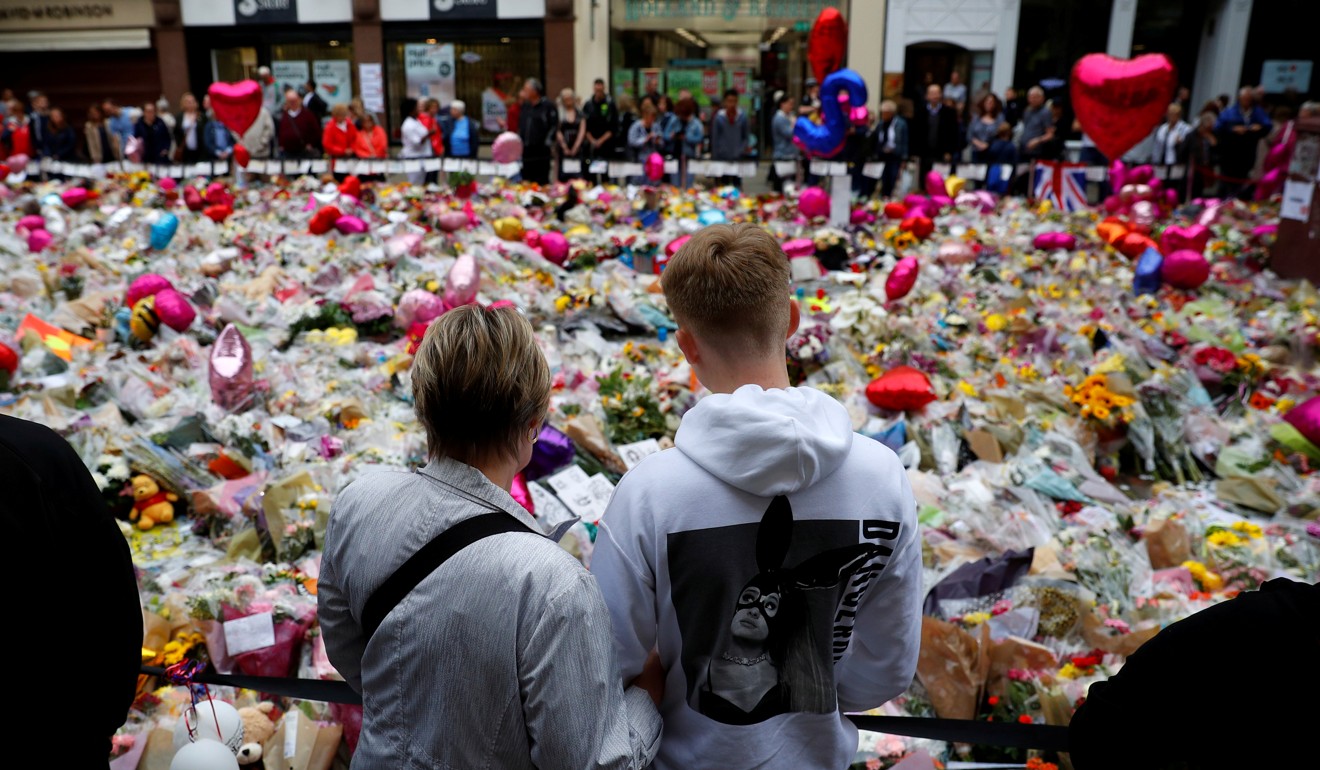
[[501, 658]]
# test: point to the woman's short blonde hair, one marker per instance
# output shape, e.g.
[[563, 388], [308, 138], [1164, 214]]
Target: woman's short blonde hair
[[479, 383], [339, 111]]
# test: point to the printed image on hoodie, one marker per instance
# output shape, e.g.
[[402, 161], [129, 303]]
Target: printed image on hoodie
[[768, 651], [773, 561]]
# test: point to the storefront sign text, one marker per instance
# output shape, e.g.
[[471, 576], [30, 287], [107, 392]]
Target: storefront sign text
[[266, 11], [35, 16], [462, 9], [729, 10]]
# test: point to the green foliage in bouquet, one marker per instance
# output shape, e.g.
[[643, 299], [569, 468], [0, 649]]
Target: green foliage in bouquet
[[631, 411]]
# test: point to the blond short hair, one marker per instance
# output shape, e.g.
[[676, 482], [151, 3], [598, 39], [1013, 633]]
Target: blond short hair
[[339, 111], [729, 285], [479, 382]]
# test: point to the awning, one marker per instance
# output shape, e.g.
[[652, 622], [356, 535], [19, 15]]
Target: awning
[[76, 40]]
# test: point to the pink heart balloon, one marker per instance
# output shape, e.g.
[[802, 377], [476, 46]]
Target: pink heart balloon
[[800, 247], [417, 306], [554, 247], [230, 372], [75, 196], [1191, 238], [814, 202], [1055, 240], [1305, 417], [1119, 101], [236, 105], [1185, 269], [38, 240], [673, 246], [462, 282], [146, 285], [935, 184], [902, 278], [32, 223], [655, 166], [508, 148], [350, 225], [174, 310]]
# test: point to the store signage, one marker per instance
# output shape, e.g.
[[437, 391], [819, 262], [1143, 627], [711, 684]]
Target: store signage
[[443, 10], [31, 16], [265, 11], [429, 71], [729, 10], [1280, 75]]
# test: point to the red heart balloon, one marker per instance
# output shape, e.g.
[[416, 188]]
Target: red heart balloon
[[324, 220], [1119, 101], [4, 171], [900, 389], [895, 210], [902, 278], [1133, 245], [827, 44], [193, 199], [351, 186], [217, 213], [241, 155], [919, 226], [236, 104]]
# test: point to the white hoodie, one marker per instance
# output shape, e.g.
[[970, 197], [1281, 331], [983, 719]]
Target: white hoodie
[[752, 599]]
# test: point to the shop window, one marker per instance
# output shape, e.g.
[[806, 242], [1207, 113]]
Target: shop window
[[482, 72], [230, 65]]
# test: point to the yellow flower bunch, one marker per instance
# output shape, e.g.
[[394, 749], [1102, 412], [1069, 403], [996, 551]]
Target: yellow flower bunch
[[996, 322], [1251, 365], [1252, 531], [1208, 580], [335, 335], [1069, 671], [1223, 538], [1097, 400], [975, 618]]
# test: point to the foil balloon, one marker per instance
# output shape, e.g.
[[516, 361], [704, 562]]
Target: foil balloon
[[1146, 278], [902, 278], [553, 450], [1133, 245], [654, 167], [145, 285], [143, 321], [673, 246], [1177, 238], [941, 201], [173, 309], [1117, 174], [954, 185], [351, 186], [895, 210], [920, 226], [935, 184], [324, 220], [1111, 231], [230, 372], [241, 156], [452, 221], [827, 44], [76, 196], [1185, 269], [509, 228], [1305, 417], [417, 306], [507, 148], [193, 199], [32, 222], [1055, 240], [554, 247], [162, 232], [236, 105], [915, 200], [349, 224], [218, 213], [1119, 101], [521, 494], [403, 244], [955, 253], [462, 282], [38, 240], [814, 202], [826, 139], [799, 247], [713, 217], [167, 184], [901, 389], [17, 163], [1144, 213]]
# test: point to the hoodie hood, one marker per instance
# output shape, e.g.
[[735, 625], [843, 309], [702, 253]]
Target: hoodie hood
[[767, 442]]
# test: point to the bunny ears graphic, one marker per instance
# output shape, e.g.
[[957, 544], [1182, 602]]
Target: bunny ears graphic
[[824, 570]]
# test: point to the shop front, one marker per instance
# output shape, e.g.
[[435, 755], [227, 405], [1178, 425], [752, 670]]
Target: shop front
[[78, 53], [299, 40], [477, 51], [703, 47]]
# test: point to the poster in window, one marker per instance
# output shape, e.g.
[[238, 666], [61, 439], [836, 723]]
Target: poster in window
[[652, 80], [334, 80], [679, 80], [625, 83], [712, 85], [429, 70], [289, 74]]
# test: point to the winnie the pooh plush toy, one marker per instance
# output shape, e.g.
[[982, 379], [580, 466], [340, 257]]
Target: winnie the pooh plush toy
[[151, 504], [257, 729]]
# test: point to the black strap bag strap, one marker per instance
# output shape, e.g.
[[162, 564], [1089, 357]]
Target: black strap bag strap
[[428, 560]]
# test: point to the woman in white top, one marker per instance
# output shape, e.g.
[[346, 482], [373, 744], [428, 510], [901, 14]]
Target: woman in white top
[[189, 131], [416, 138], [1170, 138]]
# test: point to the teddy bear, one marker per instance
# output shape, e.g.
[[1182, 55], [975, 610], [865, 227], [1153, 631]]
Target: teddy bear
[[257, 729], [151, 504]]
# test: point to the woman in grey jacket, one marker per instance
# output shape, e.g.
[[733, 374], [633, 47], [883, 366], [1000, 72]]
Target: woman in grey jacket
[[729, 134], [500, 655]]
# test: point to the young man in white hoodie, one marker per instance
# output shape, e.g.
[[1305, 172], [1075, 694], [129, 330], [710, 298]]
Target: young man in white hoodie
[[772, 557]]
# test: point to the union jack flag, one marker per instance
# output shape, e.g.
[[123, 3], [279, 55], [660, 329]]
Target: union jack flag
[[1063, 184]]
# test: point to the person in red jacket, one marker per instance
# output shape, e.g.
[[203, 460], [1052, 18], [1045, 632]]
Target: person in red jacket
[[371, 143], [340, 134], [429, 117]]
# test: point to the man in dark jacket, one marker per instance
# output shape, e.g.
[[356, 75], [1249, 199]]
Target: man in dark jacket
[[537, 122], [313, 101], [602, 123], [298, 130], [60, 528], [934, 130], [891, 145]]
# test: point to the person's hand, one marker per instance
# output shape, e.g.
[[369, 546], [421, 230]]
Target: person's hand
[[652, 678], [1255, 127], [1239, 129]]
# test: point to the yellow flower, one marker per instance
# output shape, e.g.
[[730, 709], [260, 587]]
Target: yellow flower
[[1252, 531], [995, 322], [975, 618], [1100, 413], [432, 285], [1223, 538], [562, 303], [1208, 580], [1069, 671], [966, 387]]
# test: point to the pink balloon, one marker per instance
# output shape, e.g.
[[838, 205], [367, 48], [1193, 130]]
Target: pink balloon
[[941, 201], [145, 286], [174, 310], [463, 281], [814, 202], [1270, 183], [403, 244], [1305, 417], [902, 278], [417, 306], [1185, 269], [76, 196], [655, 166], [167, 184], [1113, 204], [914, 199], [935, 184], [673, 246], [800, 247], [1144, 213], [1170, 197], [508, 148], [1117, 174], [38, 240], [350, 225], [1210, 214], [1055, 240], [954, 253], [1141, 174], [231, 370], [32, 223], [18, 163], [453, 221], [1177, 237], [554, 247], [521, 493]]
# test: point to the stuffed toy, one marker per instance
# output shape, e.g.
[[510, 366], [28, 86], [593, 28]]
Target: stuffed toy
[[151, 504], [257, 729]]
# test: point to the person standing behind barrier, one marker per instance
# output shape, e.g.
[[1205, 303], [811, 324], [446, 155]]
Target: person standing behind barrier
[[644, 136], [500, 656], [1202, 154], [190, 131], [693, 134], [118, 120], [259, 139], [602, 125], [460, 131], [416, 138], [1001, 159], [1240, 126], [728, 135], [537, 120], [217, 138], [432, 120], [52, 498], [891, 140], [102, 141], [61, 139], [982, 131], [781, 137], [570, 134], [627, 117], [1037, 127], [155, 136], [372, 144], [934, 130], [299, 129]]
